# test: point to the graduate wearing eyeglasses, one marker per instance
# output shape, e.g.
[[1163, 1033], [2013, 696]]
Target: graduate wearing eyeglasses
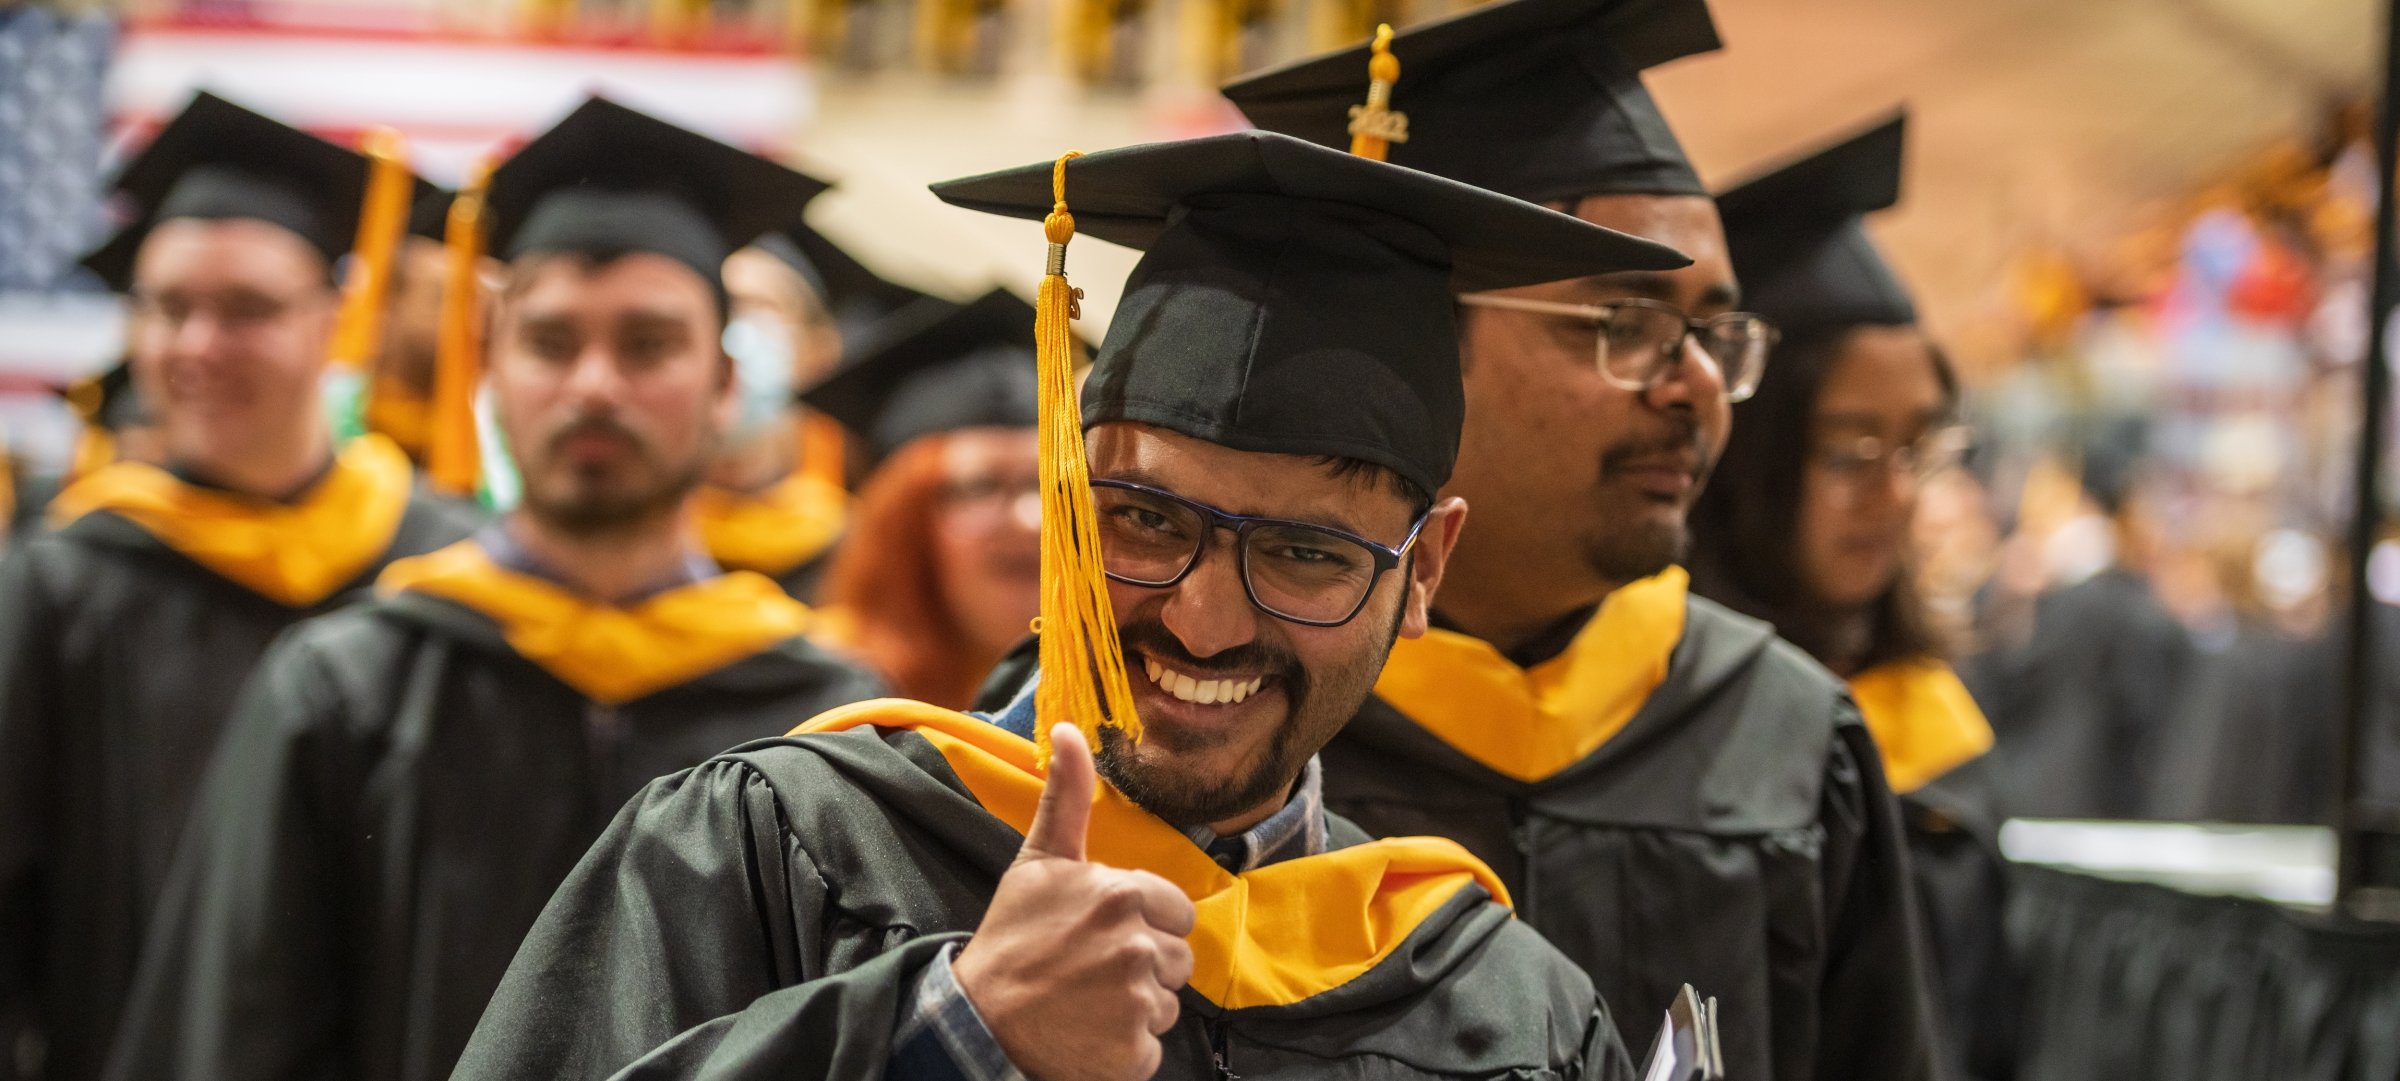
[[1807, 523], [172, 562], [1127, 871], [1672, 794]]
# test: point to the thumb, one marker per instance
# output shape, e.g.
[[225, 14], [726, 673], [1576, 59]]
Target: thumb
[[1065, 813]]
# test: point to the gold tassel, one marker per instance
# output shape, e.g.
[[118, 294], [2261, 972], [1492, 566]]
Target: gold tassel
[[381, 217], [451, 454], [1082, 663], [1376, 125]]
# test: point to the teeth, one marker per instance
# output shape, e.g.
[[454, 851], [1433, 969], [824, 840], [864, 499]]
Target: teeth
[[1206, 692]]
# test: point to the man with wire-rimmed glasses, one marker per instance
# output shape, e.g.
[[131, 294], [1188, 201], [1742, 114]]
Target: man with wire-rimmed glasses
[[1672, 794]]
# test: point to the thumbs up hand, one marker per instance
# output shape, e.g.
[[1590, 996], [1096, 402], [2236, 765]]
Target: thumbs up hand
[[1075, 966]]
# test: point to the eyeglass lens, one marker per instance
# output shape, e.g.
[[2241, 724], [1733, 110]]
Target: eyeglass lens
[[1295, 571]]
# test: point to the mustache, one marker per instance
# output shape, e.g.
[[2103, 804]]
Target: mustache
[[1151, 637], [594, 424], [1680, 440]]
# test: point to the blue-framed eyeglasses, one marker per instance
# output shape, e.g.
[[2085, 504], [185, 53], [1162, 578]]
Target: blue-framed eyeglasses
[[1313, 575]]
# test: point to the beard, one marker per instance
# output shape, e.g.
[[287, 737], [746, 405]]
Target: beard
[[1638, 543], [1318, 704], [587, 504], [1640, 536]]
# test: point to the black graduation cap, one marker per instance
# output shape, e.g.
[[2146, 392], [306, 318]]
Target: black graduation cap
[[1798, 238], [429, 217], [1296, 299], [938, 367], [218, 160], [857, 297], [1540, 99], [609, 179]]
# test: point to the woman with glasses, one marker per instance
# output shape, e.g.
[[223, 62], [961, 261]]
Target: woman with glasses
[[940, 573], [1807, 523]]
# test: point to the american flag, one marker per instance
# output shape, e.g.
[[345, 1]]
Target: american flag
[[53, 132]]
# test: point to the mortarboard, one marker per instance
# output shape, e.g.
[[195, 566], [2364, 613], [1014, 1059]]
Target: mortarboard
[[1798, 238], [1290, 299], [218, 160], [937, 367], [1294, 299], [856, 297], [608, 179], [430, 216], [1540, 99]]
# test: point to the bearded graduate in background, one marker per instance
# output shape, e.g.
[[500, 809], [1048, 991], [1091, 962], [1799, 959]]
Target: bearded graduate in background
[[407, 781], [1672, 795]]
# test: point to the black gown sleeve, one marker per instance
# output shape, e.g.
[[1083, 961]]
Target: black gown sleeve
[[28, 769], [243, 968], [688, 944], [1876, 1020], [1603, 1057]]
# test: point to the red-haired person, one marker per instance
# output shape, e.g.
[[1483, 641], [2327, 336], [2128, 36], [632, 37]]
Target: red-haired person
[[940, 574]]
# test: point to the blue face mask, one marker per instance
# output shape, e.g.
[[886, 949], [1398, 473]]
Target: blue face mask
[[762, 374]]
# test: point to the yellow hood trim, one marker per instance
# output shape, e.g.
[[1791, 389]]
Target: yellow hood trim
[[607, 653], [1924, 722], [1269, 937], [773, 531], [1529, 724], [294, 554]]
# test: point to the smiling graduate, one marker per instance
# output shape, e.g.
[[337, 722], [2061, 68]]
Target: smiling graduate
[[904, 890], [127, 629]]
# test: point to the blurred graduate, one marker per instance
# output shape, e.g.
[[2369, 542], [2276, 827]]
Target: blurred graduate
[[126, 632], [1807, 522], [774, 500], [405, 783], [940, 577]]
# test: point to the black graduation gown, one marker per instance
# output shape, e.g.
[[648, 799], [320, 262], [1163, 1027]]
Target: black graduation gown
[[1962, 888], [1934, 743], [809, 879], [403, 791], [1735, 835], [803, 581], [2080, 709], [2255, 739], [120, 660]]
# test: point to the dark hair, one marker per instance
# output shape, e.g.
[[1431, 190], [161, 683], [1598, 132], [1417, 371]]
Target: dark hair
[[1359, 469], [600, 259], [1745, 526]]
